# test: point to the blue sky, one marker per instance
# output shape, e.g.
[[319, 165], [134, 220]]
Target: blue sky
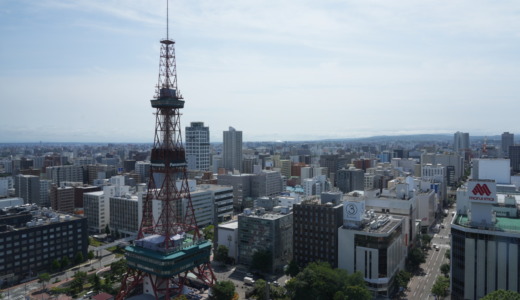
[[85, 70]]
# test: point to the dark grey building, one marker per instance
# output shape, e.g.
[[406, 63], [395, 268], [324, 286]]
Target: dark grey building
[[315, 235], [508, 139], [28, 188], [270, 232], [350, 180], [31, 239], [514, 156]]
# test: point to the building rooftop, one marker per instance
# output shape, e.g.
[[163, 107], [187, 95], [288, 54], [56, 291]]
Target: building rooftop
[[30, 215], [230, 225], [503, 224], [375, 223]]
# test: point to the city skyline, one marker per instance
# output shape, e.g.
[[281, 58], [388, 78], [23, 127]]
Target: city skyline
[[85, 71]]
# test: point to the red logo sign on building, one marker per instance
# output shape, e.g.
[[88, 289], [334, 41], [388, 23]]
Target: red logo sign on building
[[481, 189]]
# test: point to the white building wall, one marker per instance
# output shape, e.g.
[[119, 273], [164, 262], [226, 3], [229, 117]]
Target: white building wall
[[497, 169]]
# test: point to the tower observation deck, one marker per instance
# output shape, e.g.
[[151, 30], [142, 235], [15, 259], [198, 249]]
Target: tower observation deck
[[168, 246]]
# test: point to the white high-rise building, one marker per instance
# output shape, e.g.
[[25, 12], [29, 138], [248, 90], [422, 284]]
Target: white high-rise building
[[232, 150], [197, 147]]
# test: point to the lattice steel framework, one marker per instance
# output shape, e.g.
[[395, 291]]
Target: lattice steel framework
[[168, 185]]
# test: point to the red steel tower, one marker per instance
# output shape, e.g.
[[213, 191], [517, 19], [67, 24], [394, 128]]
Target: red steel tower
[[169, 245]]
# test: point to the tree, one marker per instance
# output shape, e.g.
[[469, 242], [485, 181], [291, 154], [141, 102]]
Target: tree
[[402, 279], [65, 262], [221, 254], [107, 229], [292, 269], [445, 269], [95, 281], [76, 285], [118, 268], [260, 289], [319, 281], [502, 295], [78, 258], [262, 261], [223, 290], [56, 265], [209, 232], [43, 278], [440, 287], [90, 255], [415, 258], [426, 239], [447, 254], [357, 292]]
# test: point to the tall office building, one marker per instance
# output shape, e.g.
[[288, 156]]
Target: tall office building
[[315, 235], [265, 231], [197, 146], [32, 238], [508, 139], [28, 188], [514, 155], [485, 239], [460, 141], [373, 244], [232, 150], [350, 180], [62, 199]]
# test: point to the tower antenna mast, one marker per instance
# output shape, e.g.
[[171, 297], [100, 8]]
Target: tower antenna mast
[[169, 244]]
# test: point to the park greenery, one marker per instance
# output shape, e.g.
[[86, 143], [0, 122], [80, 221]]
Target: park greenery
[[209, 232], [223, 290], [319, 281], [502, 295], [221, 254]]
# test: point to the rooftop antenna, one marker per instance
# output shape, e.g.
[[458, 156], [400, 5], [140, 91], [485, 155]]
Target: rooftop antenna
[[167, 20]]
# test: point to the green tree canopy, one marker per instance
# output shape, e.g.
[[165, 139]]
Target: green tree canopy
[[292, 269], [502, 295], [222, 253], [107, 229], [415, 258], [445, 269], [56, 265], [319, 281], [209, 232], [76, 285], [78, 258], [65, 262], [118, 268], [402, 279], [426, 239], [223, 290], [43, 278], [447, 254], [90, 254], [441, 286]]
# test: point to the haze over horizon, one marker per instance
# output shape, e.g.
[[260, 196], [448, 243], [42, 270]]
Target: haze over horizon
[[84, 71]]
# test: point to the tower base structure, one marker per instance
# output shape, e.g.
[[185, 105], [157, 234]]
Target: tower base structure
[[156, 273]]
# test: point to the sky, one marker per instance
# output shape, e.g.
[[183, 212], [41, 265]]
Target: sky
[[85, 70]]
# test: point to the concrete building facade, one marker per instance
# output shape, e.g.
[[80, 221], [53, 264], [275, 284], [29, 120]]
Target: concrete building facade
[[232, 149], [197, 146]]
